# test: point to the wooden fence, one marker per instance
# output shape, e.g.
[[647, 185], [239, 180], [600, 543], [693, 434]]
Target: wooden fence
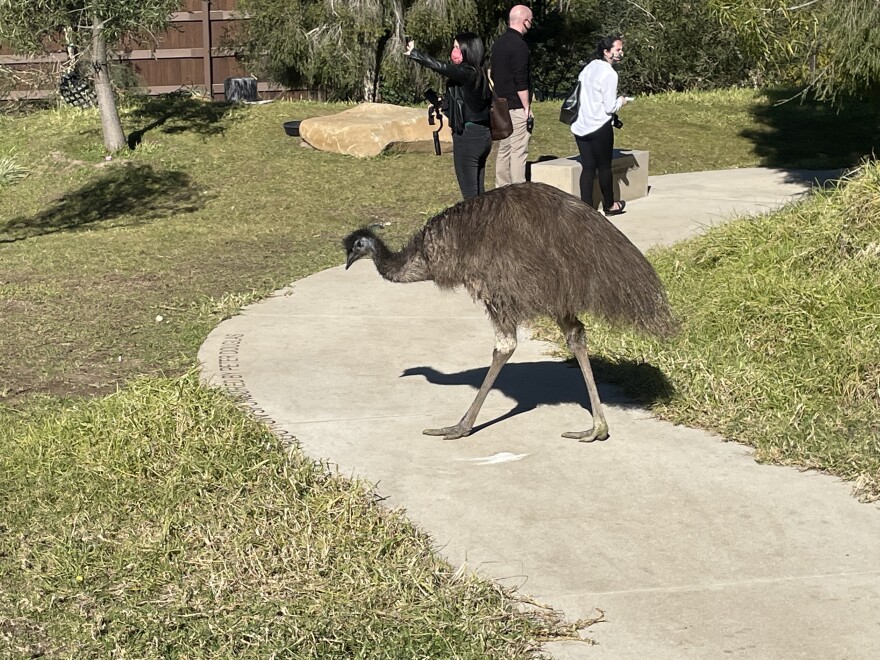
[[192, 53]]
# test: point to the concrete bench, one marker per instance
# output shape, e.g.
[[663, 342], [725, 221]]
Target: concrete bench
[[629, 170]]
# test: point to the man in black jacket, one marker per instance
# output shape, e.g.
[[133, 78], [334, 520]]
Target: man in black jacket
[[510, 75]]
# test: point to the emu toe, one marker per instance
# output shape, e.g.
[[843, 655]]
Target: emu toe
[[596, 433], [450, 432]]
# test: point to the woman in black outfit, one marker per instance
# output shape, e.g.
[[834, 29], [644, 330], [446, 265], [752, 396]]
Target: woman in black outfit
[[466, 105]]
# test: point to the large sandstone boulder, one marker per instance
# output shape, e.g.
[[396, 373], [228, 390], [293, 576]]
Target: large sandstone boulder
[[370, 128]]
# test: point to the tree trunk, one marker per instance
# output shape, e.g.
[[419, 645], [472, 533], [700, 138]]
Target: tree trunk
[[111, 127], [70, 64], [369, 83], [381, 45]]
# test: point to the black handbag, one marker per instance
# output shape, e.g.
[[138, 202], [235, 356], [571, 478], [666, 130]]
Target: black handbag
[[570, 105]]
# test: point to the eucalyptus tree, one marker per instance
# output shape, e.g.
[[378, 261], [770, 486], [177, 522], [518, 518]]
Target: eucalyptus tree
[[831, 46], [96, 26]]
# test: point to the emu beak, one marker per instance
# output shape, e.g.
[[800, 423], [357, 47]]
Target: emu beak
[[352, 257]]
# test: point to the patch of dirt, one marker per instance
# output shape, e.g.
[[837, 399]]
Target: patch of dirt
[[66, 162], [13, 306], [24, 638], [109, 160]]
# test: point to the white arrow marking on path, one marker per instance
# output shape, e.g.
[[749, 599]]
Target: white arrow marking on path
[[500, 457]]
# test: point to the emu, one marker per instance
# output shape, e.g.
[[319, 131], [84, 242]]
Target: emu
[[524, 251]]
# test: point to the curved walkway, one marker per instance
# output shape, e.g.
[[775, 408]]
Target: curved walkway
[[691, 548]]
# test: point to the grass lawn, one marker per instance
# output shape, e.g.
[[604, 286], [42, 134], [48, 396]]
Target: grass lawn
[[780, 340], [160, 520]]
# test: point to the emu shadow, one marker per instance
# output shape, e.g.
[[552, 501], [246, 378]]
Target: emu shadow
[[131, 192], [811, 134], [178, 113], [533, 384]]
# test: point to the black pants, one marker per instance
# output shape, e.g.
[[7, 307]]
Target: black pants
[[597, 149], [469, 153]]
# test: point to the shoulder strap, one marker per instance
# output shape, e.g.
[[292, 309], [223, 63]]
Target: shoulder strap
[[491, 82]]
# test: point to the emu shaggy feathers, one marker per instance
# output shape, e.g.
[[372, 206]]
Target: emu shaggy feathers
[[525, 251], [528, 250]]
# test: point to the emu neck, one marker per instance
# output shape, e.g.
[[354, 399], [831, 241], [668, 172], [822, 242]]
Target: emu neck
[[407, 265]]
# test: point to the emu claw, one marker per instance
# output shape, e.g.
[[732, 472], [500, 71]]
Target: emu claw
[[590, 435], [449, 432]]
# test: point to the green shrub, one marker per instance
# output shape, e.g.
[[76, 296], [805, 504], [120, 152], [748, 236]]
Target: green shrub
[[11, 171], [672, 45]]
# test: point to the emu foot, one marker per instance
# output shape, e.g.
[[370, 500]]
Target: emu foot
[[599, 432], [450, 432]]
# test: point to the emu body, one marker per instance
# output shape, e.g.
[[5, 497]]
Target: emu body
[[524, 251]]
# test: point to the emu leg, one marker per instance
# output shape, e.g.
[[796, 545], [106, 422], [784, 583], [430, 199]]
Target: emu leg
[[574, 333], [504, 348]]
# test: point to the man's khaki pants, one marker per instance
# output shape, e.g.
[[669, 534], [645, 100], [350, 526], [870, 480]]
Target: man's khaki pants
[[510, 163]]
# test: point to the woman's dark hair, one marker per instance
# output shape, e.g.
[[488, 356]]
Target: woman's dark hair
[[473, 53], [606, 43], [472, 50]]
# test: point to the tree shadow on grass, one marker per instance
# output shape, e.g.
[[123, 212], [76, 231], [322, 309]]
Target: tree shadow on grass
[[178, 113], [533, 384], [813, 135], [131, 193]]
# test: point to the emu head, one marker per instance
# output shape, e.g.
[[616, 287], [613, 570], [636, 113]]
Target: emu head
[[359, 244]]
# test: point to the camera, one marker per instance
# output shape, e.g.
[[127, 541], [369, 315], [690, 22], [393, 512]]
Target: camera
[[530, 124], [615, 121], [434, 113], [432, 98]]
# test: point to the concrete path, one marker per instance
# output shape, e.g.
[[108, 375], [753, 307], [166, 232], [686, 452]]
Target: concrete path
[[690, 548]]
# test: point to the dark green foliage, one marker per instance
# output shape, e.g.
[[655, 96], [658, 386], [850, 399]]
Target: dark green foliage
[[351, 49], [297, 45], [560, 44], [831, 47], [672, 46], [849, 64]]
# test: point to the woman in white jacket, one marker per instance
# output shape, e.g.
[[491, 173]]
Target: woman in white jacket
[[592, 129]]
